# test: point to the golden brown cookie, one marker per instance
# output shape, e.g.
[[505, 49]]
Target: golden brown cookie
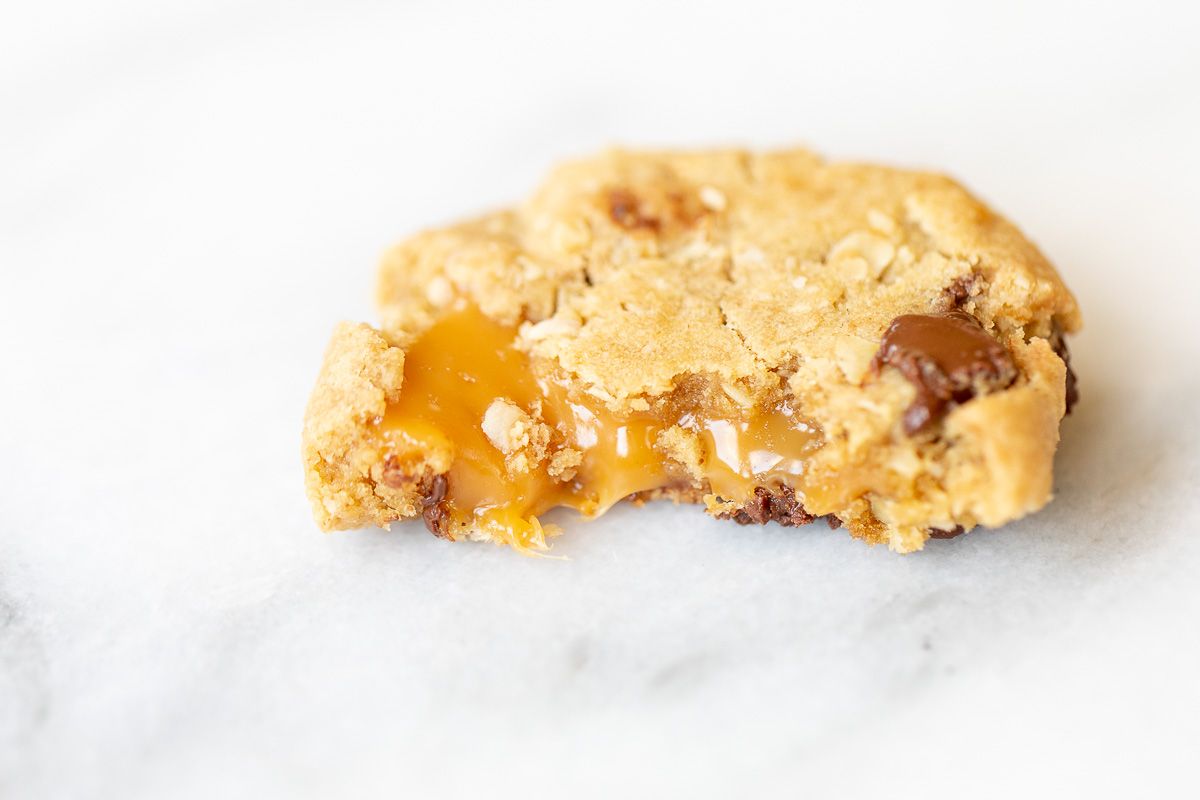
[[771, 335]]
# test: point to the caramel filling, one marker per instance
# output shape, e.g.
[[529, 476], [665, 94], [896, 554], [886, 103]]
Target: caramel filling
[[524, 442]]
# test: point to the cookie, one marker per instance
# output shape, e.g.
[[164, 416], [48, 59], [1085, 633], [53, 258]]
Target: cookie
[[773, 336]]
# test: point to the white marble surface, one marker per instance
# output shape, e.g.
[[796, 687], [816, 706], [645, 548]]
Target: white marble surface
[[192, 194]]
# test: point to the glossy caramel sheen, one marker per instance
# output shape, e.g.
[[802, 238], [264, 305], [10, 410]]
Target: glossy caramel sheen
[[457, 368]]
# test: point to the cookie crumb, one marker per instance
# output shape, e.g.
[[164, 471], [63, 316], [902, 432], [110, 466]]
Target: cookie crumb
[[516, 434], [564, 464]]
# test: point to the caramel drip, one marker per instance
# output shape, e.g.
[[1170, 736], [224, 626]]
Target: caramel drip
[[466, 362]]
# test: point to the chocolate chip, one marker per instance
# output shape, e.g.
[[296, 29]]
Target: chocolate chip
[[962, 289], [772, 505], [434, 510], [937, 533], [948, 357], [436, 492], [625, 210], [1059, 343], [431, 488], [437, 521]]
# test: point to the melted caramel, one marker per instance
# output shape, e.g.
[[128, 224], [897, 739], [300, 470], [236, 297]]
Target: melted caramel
[[465, 362]]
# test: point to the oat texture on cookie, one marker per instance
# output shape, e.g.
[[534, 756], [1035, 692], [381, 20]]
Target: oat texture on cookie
[[771, 335]]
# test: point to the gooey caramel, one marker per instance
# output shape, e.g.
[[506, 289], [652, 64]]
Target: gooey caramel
[[465, 362]]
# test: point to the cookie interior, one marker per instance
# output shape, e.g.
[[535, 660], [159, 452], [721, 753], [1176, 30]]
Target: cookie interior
[[525, 439]]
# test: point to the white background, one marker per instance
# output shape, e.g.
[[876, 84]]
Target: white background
[[192, 195]]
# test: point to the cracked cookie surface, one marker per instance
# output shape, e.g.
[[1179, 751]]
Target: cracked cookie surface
[[676, 291]]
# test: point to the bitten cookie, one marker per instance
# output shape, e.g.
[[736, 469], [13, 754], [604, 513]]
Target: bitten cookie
[[771, 335]]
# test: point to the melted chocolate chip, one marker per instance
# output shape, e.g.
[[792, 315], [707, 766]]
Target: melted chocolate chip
[[625, 210], [962, 289], [937, 533], [657, 213], [431, 488], [1059, 343], [948, 357], [772, 505], [433, 508]]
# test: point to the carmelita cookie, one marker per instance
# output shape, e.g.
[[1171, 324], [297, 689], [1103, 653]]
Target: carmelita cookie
[[774, 336]]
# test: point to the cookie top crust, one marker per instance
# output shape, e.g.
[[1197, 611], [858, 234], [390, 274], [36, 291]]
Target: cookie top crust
[[633, 268]]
